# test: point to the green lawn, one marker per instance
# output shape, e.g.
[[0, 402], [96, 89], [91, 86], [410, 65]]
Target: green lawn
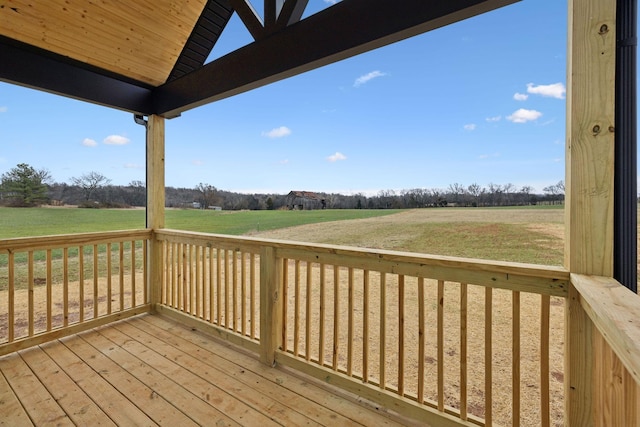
[[23, 222]]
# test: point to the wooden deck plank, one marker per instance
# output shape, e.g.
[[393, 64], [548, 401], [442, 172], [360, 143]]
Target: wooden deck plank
[[35, 398], [214, 396], [13, 414], [77, 405], [144, 397], [151, 371], [347, 411], [110, 400], [248, 388]]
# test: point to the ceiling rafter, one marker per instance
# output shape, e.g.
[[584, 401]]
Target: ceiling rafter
[[278, 14], [321, 39]]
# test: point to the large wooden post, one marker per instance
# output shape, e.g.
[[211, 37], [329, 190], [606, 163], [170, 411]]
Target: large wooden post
[[155, 201], [590, 185]]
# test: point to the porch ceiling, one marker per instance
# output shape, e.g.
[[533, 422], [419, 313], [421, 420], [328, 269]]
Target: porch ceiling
[[148, 57]]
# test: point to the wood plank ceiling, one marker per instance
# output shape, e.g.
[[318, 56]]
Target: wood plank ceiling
[[148, 56]]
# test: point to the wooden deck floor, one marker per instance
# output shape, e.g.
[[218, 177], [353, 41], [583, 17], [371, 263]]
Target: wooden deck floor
[[152, 371]]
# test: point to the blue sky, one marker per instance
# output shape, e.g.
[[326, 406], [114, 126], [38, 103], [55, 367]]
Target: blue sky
[[481, 101]]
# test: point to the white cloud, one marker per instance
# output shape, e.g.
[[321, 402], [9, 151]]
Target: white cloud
[[88, 142], [520, 96], [494, 119], [331, 1], [133, 166], [522, 116], [3, 109], [197, 162], [487, 156], [556, 90], [368, 77], [470, 127], [284, 162], [337, 156], [280, 132], [116, 140]]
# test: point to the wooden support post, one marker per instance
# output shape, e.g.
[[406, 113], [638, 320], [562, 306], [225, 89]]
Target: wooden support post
[[270, 305], [589, 183], [155, 202]]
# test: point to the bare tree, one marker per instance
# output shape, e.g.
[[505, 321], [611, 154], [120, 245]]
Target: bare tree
[[90, 182], [207, 195]]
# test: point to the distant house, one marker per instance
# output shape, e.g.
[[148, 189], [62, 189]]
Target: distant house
[[196, 205], [305, 200]]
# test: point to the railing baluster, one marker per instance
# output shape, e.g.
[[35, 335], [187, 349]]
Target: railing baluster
[[243, 295], [440, 333], [165, 296], [336, 315], [31, 296], [296, 309], [515, 354], [307, 332], [65, 284], [350, 325], [49, 291], [227, 290], [121, 273], [285, 298], [184, 250], [218, 287], [95, 281], [81, 283], [544, 361], [144, 272], [463, 350], [365, 326], [322, 315], [132, 272], [198, 260], [421, 339], [109, 273], [252, 291], [11, 303], [488, 356], [234, 260], [192, 284], [401, 335], [212, 282], [383, 327]]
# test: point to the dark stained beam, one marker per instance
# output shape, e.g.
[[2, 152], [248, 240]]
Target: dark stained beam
[[341, 31], [249, 17], [291, 12], [34, 68]]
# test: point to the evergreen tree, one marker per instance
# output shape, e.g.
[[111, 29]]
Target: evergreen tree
[[24, 186]]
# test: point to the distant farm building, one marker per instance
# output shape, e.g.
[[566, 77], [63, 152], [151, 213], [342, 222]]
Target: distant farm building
[[305, 200]]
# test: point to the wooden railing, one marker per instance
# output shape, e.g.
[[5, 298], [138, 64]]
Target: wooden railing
[[449, 341], [440, 339], [59, 285]]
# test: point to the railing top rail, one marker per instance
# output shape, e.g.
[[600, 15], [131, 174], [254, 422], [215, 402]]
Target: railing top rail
[[70, 240], [500, 274], [615, 311]]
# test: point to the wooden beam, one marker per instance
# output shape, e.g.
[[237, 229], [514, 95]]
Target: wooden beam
[[155, 201], [270, 305], [589, 183], [318, 40], [34, 68]]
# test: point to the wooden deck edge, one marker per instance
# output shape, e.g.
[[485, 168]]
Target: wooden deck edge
[[613, 309], [209, 328], [388, 400], [55, 334]]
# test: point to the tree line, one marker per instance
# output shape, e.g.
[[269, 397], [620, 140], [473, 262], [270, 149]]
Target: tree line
[[26, 186]]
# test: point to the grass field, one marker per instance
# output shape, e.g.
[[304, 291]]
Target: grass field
[[533, 234], [23, 222]]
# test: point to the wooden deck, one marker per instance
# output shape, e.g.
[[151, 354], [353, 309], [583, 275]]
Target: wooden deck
[[150, 370]]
